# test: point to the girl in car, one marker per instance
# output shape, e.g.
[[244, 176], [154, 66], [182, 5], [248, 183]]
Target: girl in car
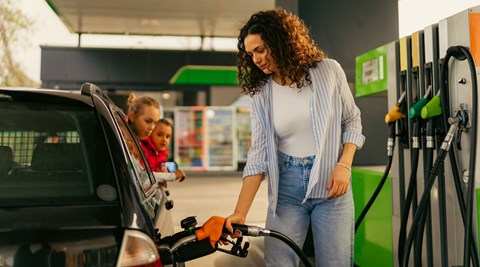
[[143, 115], [160, 138]]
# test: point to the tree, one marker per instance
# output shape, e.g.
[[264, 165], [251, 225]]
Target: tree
[[13, 23]]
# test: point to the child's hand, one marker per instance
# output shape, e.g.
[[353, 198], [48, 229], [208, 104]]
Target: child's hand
[[180, 175]]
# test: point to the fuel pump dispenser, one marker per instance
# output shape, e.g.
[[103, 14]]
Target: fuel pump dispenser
[[412, 55], [458, 122], [458, 45], [435, 70], [459, 38], [421, 94], [404, 178]]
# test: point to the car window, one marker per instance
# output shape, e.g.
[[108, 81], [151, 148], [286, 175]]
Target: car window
[[51, 154], [148, 193]]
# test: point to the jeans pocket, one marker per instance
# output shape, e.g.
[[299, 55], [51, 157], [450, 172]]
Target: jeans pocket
[[344, 200]]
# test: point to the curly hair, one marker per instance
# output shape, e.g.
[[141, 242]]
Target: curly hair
[[290, 45]]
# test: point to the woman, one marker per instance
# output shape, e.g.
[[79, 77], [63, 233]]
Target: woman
[[305, 131]]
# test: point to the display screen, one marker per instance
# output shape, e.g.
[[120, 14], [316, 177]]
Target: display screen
[[370, 71]]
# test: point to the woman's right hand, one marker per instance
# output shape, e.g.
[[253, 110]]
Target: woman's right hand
[[250, 187], [234, 218]]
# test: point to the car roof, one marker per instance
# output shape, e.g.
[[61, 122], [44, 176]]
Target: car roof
[[47, 95]]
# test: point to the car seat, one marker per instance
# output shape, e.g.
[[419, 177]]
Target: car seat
[[6, 160], [57, 157]]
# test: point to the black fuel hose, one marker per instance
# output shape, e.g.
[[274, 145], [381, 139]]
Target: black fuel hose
[[248, 230], [391, 145], [461, 53], [426, 221], [423, 201], [412, 185]]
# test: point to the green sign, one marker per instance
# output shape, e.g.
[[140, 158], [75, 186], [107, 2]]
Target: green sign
[[205, 75], [371, 72]]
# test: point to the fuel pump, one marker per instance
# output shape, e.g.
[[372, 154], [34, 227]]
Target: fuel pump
[[461, 30], [434, 171], [408, 199], [449, 115], [422, 92], [397, 93], [412, 61], [460, 120], [441, 100]]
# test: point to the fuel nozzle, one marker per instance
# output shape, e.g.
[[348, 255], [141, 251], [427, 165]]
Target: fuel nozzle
[[415, 110], [195, 242], [249, 230], [432, 108], [395, 114], [211, 229]]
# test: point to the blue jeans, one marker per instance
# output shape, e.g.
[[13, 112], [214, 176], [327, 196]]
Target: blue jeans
[[332, 221]]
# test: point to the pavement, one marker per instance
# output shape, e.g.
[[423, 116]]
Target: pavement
[[206, 194]]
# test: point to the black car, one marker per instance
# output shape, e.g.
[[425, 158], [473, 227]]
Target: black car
[[75, 187]]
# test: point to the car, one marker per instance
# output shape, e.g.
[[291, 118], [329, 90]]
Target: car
[[75, 186], [76, 189]]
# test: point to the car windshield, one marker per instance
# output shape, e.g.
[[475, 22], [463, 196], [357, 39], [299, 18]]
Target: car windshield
[[52, 154]]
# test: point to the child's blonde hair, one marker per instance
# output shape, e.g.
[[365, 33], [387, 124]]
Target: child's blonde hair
[[137, 104]]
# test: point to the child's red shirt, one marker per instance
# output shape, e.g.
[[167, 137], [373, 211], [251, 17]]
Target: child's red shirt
[[155, 158]]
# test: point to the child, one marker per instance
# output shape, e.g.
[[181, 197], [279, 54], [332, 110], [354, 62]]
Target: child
[[143, 114], [161, 137]]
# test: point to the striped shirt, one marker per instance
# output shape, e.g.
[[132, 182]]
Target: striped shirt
[[335, 121]]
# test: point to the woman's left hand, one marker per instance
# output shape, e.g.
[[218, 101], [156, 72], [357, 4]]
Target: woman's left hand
[[339, 181]]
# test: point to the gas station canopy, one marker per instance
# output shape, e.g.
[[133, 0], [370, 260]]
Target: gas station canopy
[[206, 18]]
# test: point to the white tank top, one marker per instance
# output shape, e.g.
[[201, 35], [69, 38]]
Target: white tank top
[[292, 121]]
